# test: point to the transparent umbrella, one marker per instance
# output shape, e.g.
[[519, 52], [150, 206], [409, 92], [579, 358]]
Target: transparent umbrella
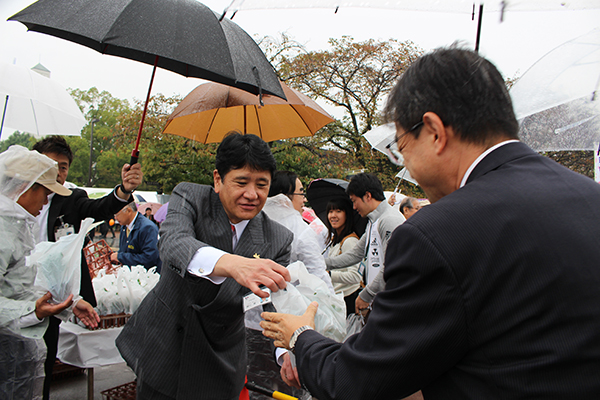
[[37, 105], [557, 99]]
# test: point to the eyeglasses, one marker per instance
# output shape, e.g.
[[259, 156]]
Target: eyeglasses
[[392, 148], [298, 194]]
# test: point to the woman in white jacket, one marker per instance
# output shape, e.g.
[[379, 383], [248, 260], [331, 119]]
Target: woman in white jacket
[[284, 205]]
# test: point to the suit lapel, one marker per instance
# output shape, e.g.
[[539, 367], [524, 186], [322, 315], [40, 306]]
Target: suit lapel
[[252, 242], [53, 214]]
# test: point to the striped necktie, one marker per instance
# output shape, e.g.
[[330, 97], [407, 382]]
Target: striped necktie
[[234, 236]]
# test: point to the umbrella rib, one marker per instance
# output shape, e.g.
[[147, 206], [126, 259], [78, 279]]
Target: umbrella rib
[[37, 129], [302, 119]]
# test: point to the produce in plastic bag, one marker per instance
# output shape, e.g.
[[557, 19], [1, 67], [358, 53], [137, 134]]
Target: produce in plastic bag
[[354, 324], [305, 288], [124, 291], [59, 263]]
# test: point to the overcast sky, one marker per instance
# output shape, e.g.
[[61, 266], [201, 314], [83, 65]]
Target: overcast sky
[[513, 45]]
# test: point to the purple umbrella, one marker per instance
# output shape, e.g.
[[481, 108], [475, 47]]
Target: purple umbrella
[[161, 214]]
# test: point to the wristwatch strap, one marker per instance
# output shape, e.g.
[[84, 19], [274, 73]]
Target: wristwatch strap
[[295, 335]]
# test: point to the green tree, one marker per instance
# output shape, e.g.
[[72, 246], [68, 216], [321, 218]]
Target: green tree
[[355, 77], [20, 138], [106, 111]]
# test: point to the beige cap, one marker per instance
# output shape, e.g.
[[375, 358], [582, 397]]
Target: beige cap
[[31, 166]]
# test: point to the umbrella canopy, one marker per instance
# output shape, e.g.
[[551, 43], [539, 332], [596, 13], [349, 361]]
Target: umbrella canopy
[[37, 105], [183, 36], [161, 214], [557, 99], [404, 174], [212, 110], [320, 191], [380, 137], [154, 206], [569, 72], [188, 37]]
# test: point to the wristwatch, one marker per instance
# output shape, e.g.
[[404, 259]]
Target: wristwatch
[[295, 335]]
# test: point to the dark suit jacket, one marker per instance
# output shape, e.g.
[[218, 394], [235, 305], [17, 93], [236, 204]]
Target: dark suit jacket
[[187, 337], [141, 246], [74, 209], [493, 292]]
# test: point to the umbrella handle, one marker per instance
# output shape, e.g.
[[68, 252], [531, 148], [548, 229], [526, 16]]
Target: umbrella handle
[[135, 155], [268, 392]]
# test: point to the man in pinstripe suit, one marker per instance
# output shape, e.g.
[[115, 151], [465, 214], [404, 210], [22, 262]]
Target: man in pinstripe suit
[[187, 340], [492, 291]]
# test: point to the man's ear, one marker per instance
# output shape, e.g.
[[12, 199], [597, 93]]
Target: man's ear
[[367, 197], [217, 180], [435, 127]]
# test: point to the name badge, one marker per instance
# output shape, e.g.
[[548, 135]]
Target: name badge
[[64, 230], [361, 268], [251, 300]]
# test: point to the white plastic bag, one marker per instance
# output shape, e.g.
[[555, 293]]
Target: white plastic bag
[[124, 291], [59, 263], [305, 288], [354, 324]]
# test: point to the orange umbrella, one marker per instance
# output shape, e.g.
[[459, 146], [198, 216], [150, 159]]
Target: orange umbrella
[[212, 110]]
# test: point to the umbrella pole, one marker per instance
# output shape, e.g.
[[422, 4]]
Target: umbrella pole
[[135, 153], [3, 115], [479, 28]]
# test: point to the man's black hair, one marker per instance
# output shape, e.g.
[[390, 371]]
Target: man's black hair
[[345, 205], [362, 183], [283, 182], [464, 89], [238, 151], [54, 144]]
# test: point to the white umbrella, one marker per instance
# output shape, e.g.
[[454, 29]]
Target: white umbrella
[[404, 174], [381, 136], [37, 105]]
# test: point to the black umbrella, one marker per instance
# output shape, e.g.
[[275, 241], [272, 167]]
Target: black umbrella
[[183, 36], [320, 191]]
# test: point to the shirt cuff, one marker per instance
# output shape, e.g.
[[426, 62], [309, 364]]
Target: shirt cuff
[[203, 264], [279, 353], [29, 320], [115, 194]]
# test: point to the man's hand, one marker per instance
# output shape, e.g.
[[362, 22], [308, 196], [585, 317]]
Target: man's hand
[[131, 176], [392, 199], [289, 374], [362, 307], [281, 327], [44, 309], [252, 272], [86, 314], [114, 257]]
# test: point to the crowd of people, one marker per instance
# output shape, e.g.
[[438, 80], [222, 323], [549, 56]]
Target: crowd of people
[[491, 291]]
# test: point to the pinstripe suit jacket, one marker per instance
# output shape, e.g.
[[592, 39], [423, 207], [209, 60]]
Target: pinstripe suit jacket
[[187, 338], [493, 292]]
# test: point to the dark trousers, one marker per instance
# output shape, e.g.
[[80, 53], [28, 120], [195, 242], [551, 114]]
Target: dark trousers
[[51, 339], [350, 301]]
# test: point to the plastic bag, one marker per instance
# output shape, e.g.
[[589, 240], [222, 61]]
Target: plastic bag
[[124, 291], [306, 288], [354, 324], [59, 263]]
